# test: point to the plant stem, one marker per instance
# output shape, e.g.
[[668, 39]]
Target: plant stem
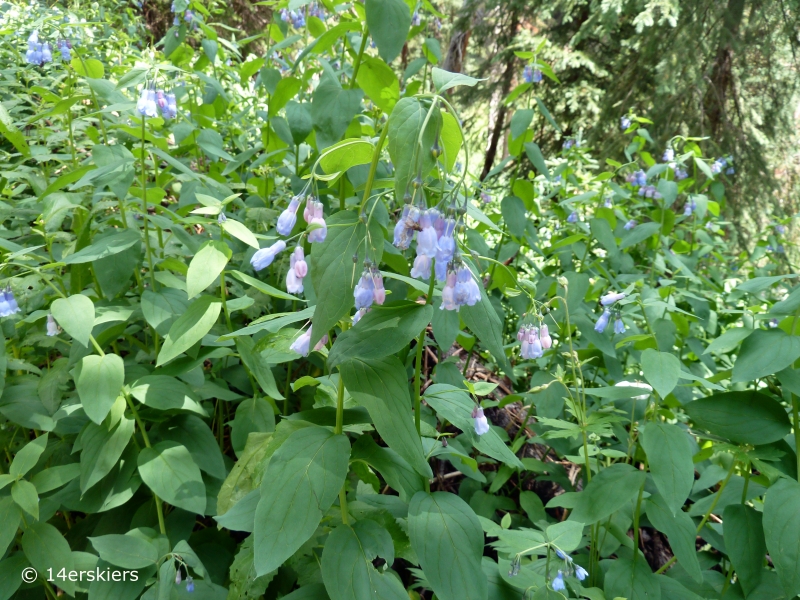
[[716, 498], [223, 294], [796, 424], [420, 345], [357, 64], [636, 516], [144, 211], [159, 509], [338, 430]]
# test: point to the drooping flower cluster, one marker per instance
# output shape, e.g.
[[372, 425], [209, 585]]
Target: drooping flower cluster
[[296, 17], [315, 10], [689, 208], [531, 75], [8, 304], [264, 257], [630, 225], [298, 269], [720, 164], [38, 53], [302, 344], [288, 218], [533, 341], [460, 289], [369, 289], [479, 420], [624, 123], [151, 101], [602, 322], [569, 568], [312, 213]]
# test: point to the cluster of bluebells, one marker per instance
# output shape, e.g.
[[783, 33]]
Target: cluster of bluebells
[[152, 101], [302, 344], [639, 179], [460, 288], [8, 304], [624, 123], [298, 269], [188, 15], [570, 568], [369, 290], [40, 53], [531, 75], [533, 341], [668, 157], [607, 301], [189, 581], [721, 163], [296, 17], [689, 208]]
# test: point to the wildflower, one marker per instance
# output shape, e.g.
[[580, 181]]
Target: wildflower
[[624, 123], [188, 16], [466, 289], [415, 18], [264, 257], [568, 144], [680, 174], [689, 208], [221, 218], [422, 267], [527, 74], [630, 225], [544, 336], [619, 326], [611, 298], [189, 584], [359, 314], [608, 203], [147, 103], [773, 323], [729, 171], [301, 344], [298, 269], [313, 216], [534, 344], [780, 229], [449, 292], [52, 326], [558, 582], [178, 577], [485, 198], [47, 55], [480, 422], [669, 155], [321, 343], [717, 166], [580, 573], [560, 554], [515, 565], [379, 294], [8, 304], [602, 322], [573, 217], [288, 218], [445, 250], [427, 238], [365, 291], [537, 76], [404, 229]]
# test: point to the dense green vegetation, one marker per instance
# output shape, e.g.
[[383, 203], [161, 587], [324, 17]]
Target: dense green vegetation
[[388, 300]]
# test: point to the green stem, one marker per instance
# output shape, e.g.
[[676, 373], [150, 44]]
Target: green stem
[[796, 424], [223, 295], [159, 509], [636, 516], [716, 498], [373, 167], [144, 211], [288, 388], [338, 430], [357, 64], [420, 345], [666, 565]]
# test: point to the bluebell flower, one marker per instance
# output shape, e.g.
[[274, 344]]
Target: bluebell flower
[[580, 573], [301, 344], [427, 240], [558, 582], [544, 336], [717, 165], [630, 225], [64, 47], [264, 257], [288, 218], [298, 269], [313, 216], [669, 155], [189, 584], [422, 267], [560, 554], [515, 563], [466, 288], [285, 17], [415, 18], [178, 577], [364, 292], [379, 293], [611, 298], [537, 76], [729, 171], [527, 74], [359, 314], [573, 217], [624, 123], [608, 203], [680, 174], [602, 322], [445, 249], [568, 144], [479, 421], [52, 327], [689, 208], [406, 225], [780, 229], [47, 55], [485, 198], [449, 292], [8, 304], [619, 326]]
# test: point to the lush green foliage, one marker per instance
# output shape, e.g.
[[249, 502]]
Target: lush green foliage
[[168, 410]]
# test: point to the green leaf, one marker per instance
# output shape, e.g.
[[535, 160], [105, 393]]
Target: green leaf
[[379, 82], [669, 453], [88, 67], [190, 328], [381, 386], [743, 417], [444, 80], [745, 545], [10, 517], [105, 246], [99, 380], [454, 405], [46, 548], [76, 316], [311, 466], [728, 340], [101, 449], [168, 469], [345, 154], [639, 234], [764, 353], [394, 469], [240, 232], [782, 531], [263, 287], [165, 393], [409, 155], [28, 456], [126, 551], [12, 134], [632, 580], [206, 266], [55, 477], [536, 157], [448, 539], [383, 331], [191, 431], [483, 320], [347, 568], [10, 570], [389, 22], [661, 369], [332, 109], [24, 494], [161, 309], [681, 533], [566, 535], [252, 415], [334, 272], [607, 492]]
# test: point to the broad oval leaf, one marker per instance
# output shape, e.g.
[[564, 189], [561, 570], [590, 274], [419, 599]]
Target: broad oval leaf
[[764, 353], [661, 369], [669, 453], [608, 491], [99, 381], [190, 328], [168, 469], [75, 315], [126, 551], [206, 266], [782, 531], [743, 417]]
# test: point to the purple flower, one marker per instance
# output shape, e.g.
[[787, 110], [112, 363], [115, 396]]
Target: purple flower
[[729, 171], [189, 584], [178, 577], [669, 155], [611, 298], [619, 326], [680, 174], [221, 218], [573, 217], [537, 76], [780, 229], [630, 225], [379, 293], [359, 313], [560, 554], [449, 292], [427, 240], [544, 335], [264, 257], [689, 208], [485, 198], [313, 216], [288, 218], [558, 582], [445, 249], [480, 422], [8, 304], [364, 292], [466, 289], [624, 123], [580, 573], [422, 267], [52, 326], [602, 322], [608, 203], [301, 344], [404, 230], [527, 74]]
